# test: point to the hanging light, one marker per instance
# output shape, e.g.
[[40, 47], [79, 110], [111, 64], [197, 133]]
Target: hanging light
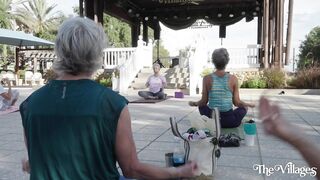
[[219, 15], [188, 17], [243, 13], [231, 15], [129, 10], [175, 17], [155, 17], [146, 18], [254, 13]]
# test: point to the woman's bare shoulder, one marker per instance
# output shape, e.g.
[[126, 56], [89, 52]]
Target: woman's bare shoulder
[[233, 79]]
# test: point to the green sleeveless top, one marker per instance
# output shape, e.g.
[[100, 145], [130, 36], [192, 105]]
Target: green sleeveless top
[[220, 95], [70, 128]]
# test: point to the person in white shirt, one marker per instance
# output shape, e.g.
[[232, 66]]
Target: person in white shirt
[[7, 98], [156, 83]]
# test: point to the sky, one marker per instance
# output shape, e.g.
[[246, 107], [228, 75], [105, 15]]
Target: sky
[[306, 15]]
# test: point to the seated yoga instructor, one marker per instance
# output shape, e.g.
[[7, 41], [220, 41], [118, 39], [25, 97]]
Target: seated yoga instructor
[[221, 90], [156, 83]]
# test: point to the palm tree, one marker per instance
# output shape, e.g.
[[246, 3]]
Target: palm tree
[[6, 16], [38, 17]]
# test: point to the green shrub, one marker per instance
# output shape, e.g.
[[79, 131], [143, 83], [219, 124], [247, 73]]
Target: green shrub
[[104, 79], [256, 82], [275, 78], [206, 71], [21, 74], [307, 78]]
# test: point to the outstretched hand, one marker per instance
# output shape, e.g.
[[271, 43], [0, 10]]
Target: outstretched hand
[[188, 170], [274, 123], [25, 166], [251, 105]]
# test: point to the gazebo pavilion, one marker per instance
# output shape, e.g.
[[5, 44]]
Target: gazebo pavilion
[[179, 14]]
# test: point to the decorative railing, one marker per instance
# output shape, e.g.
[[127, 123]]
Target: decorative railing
[[129, 61], [243, 58], [114, 57]]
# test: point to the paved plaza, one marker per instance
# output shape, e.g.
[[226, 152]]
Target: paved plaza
[[153, 137]]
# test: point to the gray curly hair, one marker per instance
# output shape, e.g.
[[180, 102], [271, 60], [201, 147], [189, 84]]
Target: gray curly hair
[[78, 46], [220, 58]]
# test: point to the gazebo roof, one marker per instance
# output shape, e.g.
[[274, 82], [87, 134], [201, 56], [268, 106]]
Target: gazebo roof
[[179, 14]]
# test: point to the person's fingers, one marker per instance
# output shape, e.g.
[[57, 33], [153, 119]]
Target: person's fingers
[[264, 107], [25, 165], [268, 127], [189, 169], [194, 166]]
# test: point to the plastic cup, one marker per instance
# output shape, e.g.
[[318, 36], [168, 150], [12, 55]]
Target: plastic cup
[[250, 131], [249, 139]]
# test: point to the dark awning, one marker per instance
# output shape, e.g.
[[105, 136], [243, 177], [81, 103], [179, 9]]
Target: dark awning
[[179, 14]]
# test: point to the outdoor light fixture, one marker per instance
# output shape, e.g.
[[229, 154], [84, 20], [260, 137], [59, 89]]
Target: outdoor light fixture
[[243, 13], [254, 13], [155, 17], [219, 15], [175, 17], [231, 15], [257, 8], [207, 17], [137, 15], [188, 17], [129, 10], [146, 18]]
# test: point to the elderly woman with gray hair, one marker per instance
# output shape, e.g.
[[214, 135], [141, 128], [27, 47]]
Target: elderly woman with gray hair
[[221, 90], [77, 129]]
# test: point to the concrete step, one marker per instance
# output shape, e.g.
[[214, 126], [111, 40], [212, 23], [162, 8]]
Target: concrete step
[[176, 78]]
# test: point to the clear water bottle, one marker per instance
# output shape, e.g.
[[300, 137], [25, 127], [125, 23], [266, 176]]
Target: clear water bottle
[[178, 153]]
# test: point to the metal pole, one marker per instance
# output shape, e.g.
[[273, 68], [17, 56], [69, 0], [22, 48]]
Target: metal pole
[[293, 58], [158, 49], [265, 34], [289, 30], [281, 10]]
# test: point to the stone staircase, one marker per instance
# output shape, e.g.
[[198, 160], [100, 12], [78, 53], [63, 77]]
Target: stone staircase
[[177, 79]]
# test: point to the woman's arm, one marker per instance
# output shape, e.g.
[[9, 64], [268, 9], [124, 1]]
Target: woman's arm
[[206, 85], [274, 124], [25, 163], [7, 95], [236, 95], [128, 160], [148, 82], [164, 81]]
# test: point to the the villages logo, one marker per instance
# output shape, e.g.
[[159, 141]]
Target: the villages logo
[[201, 24], [289, 168]]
